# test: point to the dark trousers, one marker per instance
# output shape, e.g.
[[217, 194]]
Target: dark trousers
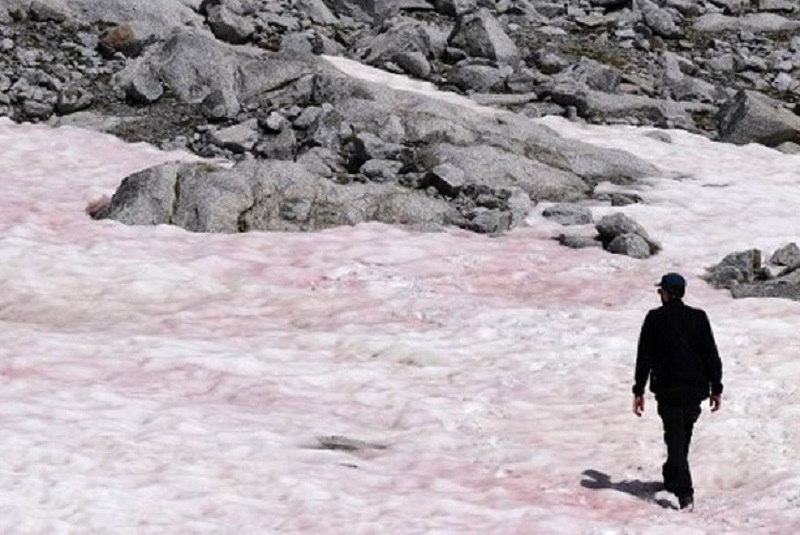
[[678, 423]]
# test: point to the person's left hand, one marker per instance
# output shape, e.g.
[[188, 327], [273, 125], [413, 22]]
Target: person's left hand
[[638, 405], [715, 401]]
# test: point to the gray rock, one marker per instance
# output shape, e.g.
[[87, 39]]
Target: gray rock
[[618, 225], [660, 136], [550, 62], [683, 87], [633, 109], [478, 78], [788, 255], [722, 63], [736, 268], [777, 289], [455, 8], [485, 221], [481, 35], [732, 7], [447, 179], [46, 12], [413, 63], [228, 26], [146, 197], [321, 161], [785, 286], [220, 104], [788, 148], [308, 117], [751, 117], [158, 17], [576, 241], [490, 210], [38, 109], [402, 37], [194, 65], [369, 11], [211, 200], [595, 164], [787, 6], [140, 82], [365, 146], [568, 214], [267, 195], [590, 74], [496, 168], [658, 19], [754, 22], [785, 82], [517, 134], [381, 170], [278, 146], [317, 11], [91, 121], [238, 138], [273, 82], [73, 99], [687, 8], [630, 244], [273, 123]]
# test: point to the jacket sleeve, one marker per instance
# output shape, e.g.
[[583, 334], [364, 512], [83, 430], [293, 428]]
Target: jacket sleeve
[[644, 356], [711, 357]]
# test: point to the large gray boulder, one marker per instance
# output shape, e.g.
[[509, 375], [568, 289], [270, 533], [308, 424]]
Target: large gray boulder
[[199, 69], [788, 255], [741, 267], [519, 135], [751, 117], [494, 167], [622, 235], [156, 17], [659, 20], [191, 65], [592, 163], [590, 74], [599, 106], [266, 195], [228, 25], [481, 35], [402, 40]]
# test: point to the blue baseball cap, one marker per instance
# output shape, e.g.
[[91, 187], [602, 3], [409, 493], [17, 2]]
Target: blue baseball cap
[[672, 280]]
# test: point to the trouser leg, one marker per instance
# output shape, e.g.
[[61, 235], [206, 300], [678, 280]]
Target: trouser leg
[[678, 425]]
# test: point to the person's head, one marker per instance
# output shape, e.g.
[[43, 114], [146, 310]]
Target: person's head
[[671, 286]]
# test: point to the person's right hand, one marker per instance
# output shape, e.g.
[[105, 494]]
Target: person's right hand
[[715, 401]]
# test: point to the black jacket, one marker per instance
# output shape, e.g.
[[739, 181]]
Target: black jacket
[[678, 353]]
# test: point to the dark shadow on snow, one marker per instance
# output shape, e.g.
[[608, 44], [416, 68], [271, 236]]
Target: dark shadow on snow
[[644, 490]]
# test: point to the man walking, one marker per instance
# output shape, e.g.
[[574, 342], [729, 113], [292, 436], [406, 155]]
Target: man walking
[[677, 352]]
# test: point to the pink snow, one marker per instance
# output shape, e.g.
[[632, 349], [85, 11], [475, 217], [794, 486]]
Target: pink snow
[[159, 381]]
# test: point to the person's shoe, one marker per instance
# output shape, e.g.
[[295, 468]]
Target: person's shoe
[[686, 503]]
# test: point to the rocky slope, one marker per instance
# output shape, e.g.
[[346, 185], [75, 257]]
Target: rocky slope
[[243, 80], [726, 68]]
